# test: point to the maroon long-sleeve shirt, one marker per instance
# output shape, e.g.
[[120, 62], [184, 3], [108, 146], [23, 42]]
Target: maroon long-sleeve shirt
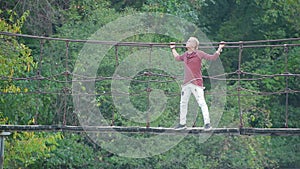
[[193, 65]]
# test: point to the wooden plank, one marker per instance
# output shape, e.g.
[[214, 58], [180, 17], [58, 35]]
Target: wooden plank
[[271, 131], [152, 130], [111, 129]]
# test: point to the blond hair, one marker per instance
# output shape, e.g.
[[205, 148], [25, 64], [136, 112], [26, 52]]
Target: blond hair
[[194, 39]]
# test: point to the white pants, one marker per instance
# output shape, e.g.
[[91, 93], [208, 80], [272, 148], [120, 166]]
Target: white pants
[[199, 95]]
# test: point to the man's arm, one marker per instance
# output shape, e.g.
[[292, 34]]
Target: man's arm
[[174, 52], [215, 55]]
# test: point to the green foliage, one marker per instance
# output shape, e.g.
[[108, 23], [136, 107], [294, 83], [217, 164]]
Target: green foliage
[[284, 150], [229, 20], [16, 61], [70, 152], [120, 5], [14, 56], [280, 13], [179, 8], [27, 149]]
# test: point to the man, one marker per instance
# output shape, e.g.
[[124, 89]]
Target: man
[[193, 81]]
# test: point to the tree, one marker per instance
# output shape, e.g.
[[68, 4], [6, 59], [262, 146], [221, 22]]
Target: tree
[[17, 61], [230, 20]]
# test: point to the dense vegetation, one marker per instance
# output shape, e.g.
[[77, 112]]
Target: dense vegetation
[[44, 101]]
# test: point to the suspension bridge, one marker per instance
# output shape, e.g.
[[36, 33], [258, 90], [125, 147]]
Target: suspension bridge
[[66, 119]]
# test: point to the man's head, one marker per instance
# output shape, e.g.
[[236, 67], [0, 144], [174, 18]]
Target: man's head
[[192, 43]]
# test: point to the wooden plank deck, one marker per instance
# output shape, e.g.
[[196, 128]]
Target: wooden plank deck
[[153, 130]]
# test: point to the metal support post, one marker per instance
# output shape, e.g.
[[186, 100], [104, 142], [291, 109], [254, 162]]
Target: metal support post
[[2, 135]]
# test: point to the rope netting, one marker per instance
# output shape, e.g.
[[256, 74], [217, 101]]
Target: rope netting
[[55, 59]]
